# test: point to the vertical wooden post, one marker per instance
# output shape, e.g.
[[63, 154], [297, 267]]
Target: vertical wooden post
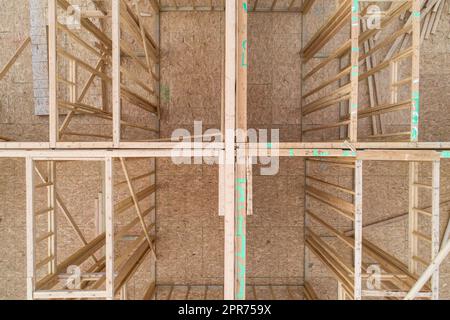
[[241, 137], [116, 75], [230, 103], [415, 73], [158, 64], [358, 230], [435, 221], [52, 71], [221, 183], [413, 218], [354, 77], [52, 240], [109, 227], [31, 281]]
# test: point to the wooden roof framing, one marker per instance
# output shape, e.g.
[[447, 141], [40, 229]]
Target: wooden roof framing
[[107, 275]]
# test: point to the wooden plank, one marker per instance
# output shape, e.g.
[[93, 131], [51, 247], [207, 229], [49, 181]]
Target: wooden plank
[[116, 75], [230, 103], [136, 205], [109, 226], [52, 71], [51, 217], [354, 79], [241, 137], [358, 230], [435, 223], [14, 58], [415, 73], [31, 233]]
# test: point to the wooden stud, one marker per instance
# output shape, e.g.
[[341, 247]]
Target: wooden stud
[[116, 75], [52, 71], [31, 233], [109, 226], [230, 103], [358, 230]]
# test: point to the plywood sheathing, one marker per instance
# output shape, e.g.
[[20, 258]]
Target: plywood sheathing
[[274, 73], [435, 82], [191, 70]]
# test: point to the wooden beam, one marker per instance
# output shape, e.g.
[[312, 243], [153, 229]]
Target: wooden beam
[[52, 70], [109, 226], [230, 104], [136, 205], [31, 233], [241, 137], [14, 58], [415, 73], [116, 75], [358, 230]]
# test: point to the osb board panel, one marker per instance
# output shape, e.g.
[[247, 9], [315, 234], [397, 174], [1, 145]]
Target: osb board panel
[[435, 82], [274, 73], [17, 120], [275, 231], [189, 230], [191, 69]]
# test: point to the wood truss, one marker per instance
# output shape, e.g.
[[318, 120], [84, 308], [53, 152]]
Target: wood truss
[[103, 275]]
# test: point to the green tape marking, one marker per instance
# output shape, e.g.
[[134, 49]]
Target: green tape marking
[[445, 154], [245, 6]]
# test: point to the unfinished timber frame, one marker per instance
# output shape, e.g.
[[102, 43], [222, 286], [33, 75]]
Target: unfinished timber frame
[[102, 275]]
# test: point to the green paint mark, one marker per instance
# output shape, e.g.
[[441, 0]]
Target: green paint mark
[[269, 145], [317, 153], [241, 275], [354, 106], [414, 134], [245, 6], [355, 49], [415, 118], [416, 14], [240, 226], [347, 153], [291, 153], [445, 154], [241, 192], [355, 7], [244, 63], [165, 94]]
